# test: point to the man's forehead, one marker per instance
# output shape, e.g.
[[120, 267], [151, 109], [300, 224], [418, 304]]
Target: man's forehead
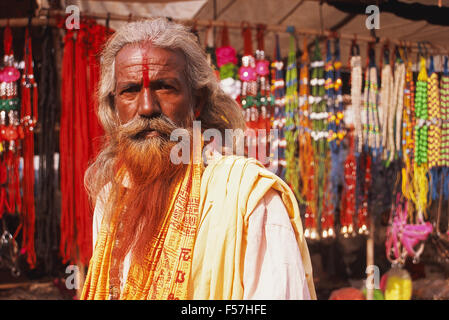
[[136, 54]]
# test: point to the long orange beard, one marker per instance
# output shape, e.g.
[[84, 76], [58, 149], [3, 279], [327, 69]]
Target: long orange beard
[[152, 178]]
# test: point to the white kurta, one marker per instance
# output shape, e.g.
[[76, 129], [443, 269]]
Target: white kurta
[[273, 268]]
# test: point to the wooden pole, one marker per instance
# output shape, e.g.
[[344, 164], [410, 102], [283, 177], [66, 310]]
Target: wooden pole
[[54, 15], [370, 261]]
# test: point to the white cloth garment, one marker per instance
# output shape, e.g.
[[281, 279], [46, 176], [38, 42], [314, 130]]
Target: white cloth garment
[[273, 267]]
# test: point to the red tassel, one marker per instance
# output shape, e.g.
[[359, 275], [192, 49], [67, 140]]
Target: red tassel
[[67, 243], [29, 117]]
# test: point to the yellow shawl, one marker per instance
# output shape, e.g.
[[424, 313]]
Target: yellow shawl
[[231, 188]]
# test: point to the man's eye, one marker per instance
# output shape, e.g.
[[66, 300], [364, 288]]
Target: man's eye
[[131, 89], [163, 86]]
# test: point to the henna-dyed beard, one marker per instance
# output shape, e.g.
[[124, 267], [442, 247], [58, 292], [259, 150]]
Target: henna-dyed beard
[[152, 178]]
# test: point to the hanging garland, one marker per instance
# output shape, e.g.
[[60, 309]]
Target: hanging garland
[[292, 121]]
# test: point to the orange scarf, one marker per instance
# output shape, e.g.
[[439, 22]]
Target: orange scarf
[[165, 275]]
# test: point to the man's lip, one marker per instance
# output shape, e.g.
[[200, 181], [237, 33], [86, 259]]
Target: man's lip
[[151, 133], [145, 134]]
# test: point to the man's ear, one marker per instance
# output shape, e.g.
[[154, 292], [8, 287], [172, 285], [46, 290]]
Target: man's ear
[[200, 101]]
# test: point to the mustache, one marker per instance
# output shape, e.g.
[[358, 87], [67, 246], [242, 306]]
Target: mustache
[[137, 128]]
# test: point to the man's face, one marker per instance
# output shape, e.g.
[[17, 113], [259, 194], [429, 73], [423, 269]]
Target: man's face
[[150, 82]]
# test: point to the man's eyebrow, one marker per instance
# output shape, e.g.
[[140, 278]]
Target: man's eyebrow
[[127, 84]]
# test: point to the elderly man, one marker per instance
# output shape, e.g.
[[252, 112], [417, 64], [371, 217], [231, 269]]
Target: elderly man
[[163, 230]]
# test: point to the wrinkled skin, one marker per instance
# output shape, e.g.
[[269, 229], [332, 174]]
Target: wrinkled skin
[[150, 82]]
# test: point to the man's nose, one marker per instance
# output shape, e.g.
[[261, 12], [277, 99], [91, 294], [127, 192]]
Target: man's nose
[[148, 105]]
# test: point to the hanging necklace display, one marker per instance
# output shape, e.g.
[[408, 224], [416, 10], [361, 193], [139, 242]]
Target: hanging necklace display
[[248, 78], [370, 116], [356, 89], [306, 156], [11, 134], [420, 151], [386, 106], [11, 131], [318, 117], [227, 64], [292, 120], [263, 98], [434, 138], [338, 84], [28, 120], [398, 101], [439, 239], [348, 197], [444, 110], [408, 134], [370, 127], [331, 172], [278, 91]]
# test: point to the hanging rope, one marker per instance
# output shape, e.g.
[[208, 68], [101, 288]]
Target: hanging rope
[[47, 213], [29, 119]]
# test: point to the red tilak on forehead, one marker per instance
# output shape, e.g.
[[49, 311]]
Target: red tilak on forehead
[[145, 69]]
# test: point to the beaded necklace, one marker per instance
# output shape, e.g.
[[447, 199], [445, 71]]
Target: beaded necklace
[[348, 197], [327, 220], [408, 135], [434, 139], [306, 150], [386, 107], [11, 131], [329, 87], [319, 132], [444, 151], [292, 121], [356, 89], [398, 100], [338, 84], [371, 140], [263, 97], [248, 78], [370, 117], [278, 90], [420, 153]]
